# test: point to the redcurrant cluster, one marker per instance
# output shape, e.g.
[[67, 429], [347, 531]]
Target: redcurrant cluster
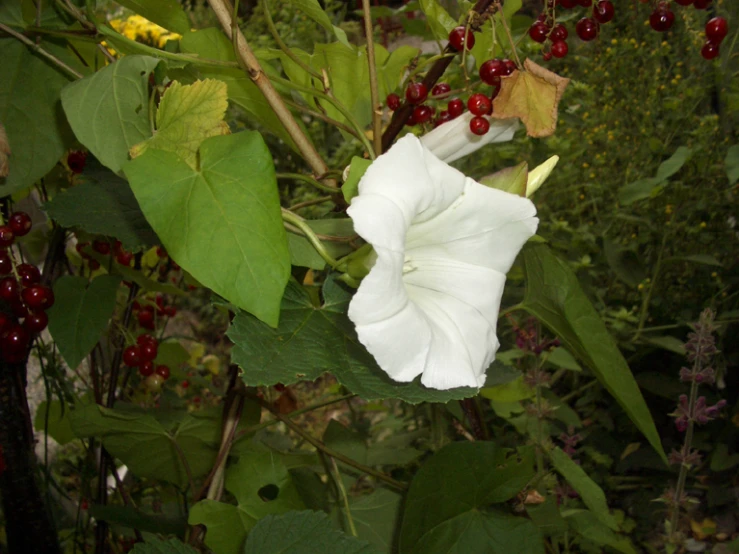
[[104, 248], [142, 355], [147, 313], [716, 31], [21, 289], [662, 18]]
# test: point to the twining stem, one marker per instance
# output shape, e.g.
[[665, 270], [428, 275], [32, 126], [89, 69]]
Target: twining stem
[[374, 92], [329, 451], [306, 179], [307, 203], [284, 47], [323, 117], [300, 223], [40, 51], [344, 497], [260, 79]]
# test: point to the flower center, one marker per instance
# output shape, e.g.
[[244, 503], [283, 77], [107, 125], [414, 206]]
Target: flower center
[[408, 265]]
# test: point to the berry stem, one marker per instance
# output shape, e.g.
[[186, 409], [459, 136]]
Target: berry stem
[[374, 94], [508, 32]]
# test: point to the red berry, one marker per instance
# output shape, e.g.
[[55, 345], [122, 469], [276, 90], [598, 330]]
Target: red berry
[[455, 107], [5, 323], [441, 90], [146, 368], [716, 30], [559, 49], [416, 93], [6, 265], [559, 32], [94, 265], [170, 311], [124, 258], [701, 4], [479, 104], [146, 339], [585, 3], [492, 70], [479, 125], [132, 356], [185, 384], [458, 39], [29, 274], [662, 18], [38, 297], [586, 29], [146, 319], [710, 50], [423, 114], [547, 56], [6, 236], [76, 161], [36, 322], [510, 66], [392, 101], [148, 351], [539, 31], [163, 371], [101, 247], [15, 340], [411, 121], [19, 309], [603, 11], [9, 289], [444, 116], [20, 223], [161, 252]]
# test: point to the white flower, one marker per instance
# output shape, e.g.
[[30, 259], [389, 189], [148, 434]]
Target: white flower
[[453, 139], [444, 243], [539, 174]]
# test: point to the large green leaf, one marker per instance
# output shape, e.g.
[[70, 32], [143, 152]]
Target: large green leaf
[[150, 446], [313, 9], [646, 188], [161, 546], [30, 111], [554, 296], [103, 203], [166, 13], [589, 526], [221, 223], [59, 427], [302, 533], [375, 517], [134, 518], [438, 18], [311, 340], [109, 110], [80, 315], [261, 485], [454, 485], [732, 164]]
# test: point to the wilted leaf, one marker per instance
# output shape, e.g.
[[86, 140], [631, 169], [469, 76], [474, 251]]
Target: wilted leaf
[[533, 95]]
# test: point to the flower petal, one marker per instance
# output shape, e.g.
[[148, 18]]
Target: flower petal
[[382, 293], [539, 174], [453, 139]]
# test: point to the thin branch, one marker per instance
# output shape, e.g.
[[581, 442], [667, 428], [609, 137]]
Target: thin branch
[[323, 117], [300, 223], [508, 32], [40, 51], [342, 493], [374, 94], [307, 203], [307, 179]]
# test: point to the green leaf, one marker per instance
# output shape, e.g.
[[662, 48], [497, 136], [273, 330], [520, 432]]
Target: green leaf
[[303, 532], [350, 188], [261, 485], [484, 48], [80, 315], [136, 519], [546, 517], [302, 252], [30, 111], [732, 164], [721, 460], [625, 263], [553, 295], [458, 481], [186, 116], [375, 516], [674, 163], [438, 18], [592, 495], [109, 110], [221, 223], [511, 179], [103, 203], [560, 357], [513, 391], [161, 546], [648, 188], [165, 13], [587, 524], [313, 9], [351, 444], [59, 427], [705, 259], [312, 340], [150, 445]]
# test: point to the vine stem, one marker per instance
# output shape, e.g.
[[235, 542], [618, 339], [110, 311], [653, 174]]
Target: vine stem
[[36, 48], [374, 93], [260, 79], [284, 47], [344, 497], [306, 179], [299, 222], [318, 444]]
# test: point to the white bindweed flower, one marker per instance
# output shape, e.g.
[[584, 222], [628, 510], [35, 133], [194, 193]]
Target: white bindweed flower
[[539, 174], [444, 243], [453, 140]]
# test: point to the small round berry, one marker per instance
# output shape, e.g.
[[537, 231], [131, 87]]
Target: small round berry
[[423, 114], [492, 70], [20, 223], [29, 274], [148, 351], [701, 4], [132, 356], [603, 11], [9, 289], [510, 66], [710, 51], [15, 340], [443, 117], [539, 31], [145, 338], [411, 121], [124, 258], [441, 90], [36, 322], [6, 322], [479, 125], [459, 38], [170, 311], [161, 252], [547, 56], [661, 18], [185, 384], [416, 93], [163, 371], [455, 107], [716, 31], [153, 382], [101, 247], [7, 237], [6, 264], [559, 32], [146, 319], [38, 297], [559, 49], [587, 29], [393, 101], [146, 368], [479, 104], [76, 161], [94, 265]]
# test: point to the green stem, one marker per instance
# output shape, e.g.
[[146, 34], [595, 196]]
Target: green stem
[[344, 498], [648, 296], [307, 179], [323, 117], [299, 222], [284, 47], [374, 94], [40, 51]]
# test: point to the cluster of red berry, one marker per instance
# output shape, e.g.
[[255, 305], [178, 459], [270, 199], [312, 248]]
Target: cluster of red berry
[[142, 355], [146, 313], [554, 35], [21, 289], [716, 31], [478, 104], [76, 161], [103, 247]]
